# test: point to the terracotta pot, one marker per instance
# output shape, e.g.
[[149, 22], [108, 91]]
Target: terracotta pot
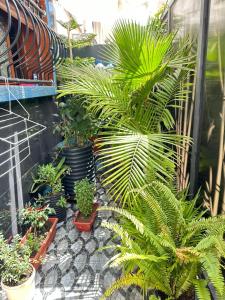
[[23, 291], [37, 259], [85, 225]]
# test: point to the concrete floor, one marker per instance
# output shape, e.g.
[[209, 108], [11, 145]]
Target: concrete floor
[[74, 266]]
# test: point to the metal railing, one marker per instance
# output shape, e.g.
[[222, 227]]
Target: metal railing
[[32, 49]]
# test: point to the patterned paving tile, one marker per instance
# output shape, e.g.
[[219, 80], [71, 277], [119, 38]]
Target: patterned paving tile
[[74, 268]]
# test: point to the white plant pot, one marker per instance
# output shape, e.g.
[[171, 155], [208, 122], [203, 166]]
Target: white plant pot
[[24, 291]]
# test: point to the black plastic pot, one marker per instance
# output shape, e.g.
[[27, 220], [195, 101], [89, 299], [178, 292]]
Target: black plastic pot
[[43, 190], [60, 212], [81, 162]]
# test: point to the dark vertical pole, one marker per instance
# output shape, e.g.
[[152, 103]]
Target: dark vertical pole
[[199, 93]]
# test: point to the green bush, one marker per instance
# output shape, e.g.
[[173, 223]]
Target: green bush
[[14, 261], [35, 217], [167, 245], [51, 176], [84, 191]]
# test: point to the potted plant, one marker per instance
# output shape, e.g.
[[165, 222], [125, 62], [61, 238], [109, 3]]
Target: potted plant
[[168, 246], [85, 217], [41, 232], [16, 272], [76, 127], [49, 182]]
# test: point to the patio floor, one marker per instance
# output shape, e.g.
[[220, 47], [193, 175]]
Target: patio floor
[[74, 267]]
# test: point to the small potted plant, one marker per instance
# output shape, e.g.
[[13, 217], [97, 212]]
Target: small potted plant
[[76, 128], [49, 181], [16, 272], [85, 217], [41, 232]]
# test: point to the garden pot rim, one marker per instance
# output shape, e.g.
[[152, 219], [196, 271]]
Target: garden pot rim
[[30, 278], [78, 213], [61, 145]]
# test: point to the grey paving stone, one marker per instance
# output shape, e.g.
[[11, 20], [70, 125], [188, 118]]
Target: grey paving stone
[[68, 280], [65, 262], [77, 246], [81, 261], [74, 268]]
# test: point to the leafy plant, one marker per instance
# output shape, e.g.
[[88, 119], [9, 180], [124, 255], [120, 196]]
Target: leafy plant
[[84, 39], [77, 124], [61, 202], [35, 217], [167, 245], [136, 100], [34, 242], [84, 191], [14, 257], [69, 25], [50, 176]]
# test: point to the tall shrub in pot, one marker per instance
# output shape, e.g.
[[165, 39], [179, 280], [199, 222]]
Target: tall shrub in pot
[[76, 128], [85, 217], [137, 98]]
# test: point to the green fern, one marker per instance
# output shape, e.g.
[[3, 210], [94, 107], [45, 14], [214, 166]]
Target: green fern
[[201, 289], [166, 247], [127, 280]]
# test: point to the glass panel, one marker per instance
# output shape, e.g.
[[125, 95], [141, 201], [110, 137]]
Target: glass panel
[[212, 149]]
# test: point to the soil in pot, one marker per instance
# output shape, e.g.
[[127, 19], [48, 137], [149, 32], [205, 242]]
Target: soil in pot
[[85, 224]]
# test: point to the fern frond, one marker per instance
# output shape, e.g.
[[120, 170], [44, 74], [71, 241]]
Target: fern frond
[[130, 279], [201, 289], [184, 278], [120, 231], [139, 226], [153, 297], [211, 264], [138, 257]]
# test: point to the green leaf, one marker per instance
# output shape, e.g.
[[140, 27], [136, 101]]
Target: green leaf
[[201, 289]]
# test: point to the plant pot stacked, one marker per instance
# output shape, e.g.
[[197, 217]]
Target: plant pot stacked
[[47, 188], [60, 212], [81, 163], [76, 128]]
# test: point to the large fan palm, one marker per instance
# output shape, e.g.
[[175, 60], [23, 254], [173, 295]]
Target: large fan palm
[[135, 100]]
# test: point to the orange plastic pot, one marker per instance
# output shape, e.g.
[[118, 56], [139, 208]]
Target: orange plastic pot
[[37, 259], [85, 224]]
